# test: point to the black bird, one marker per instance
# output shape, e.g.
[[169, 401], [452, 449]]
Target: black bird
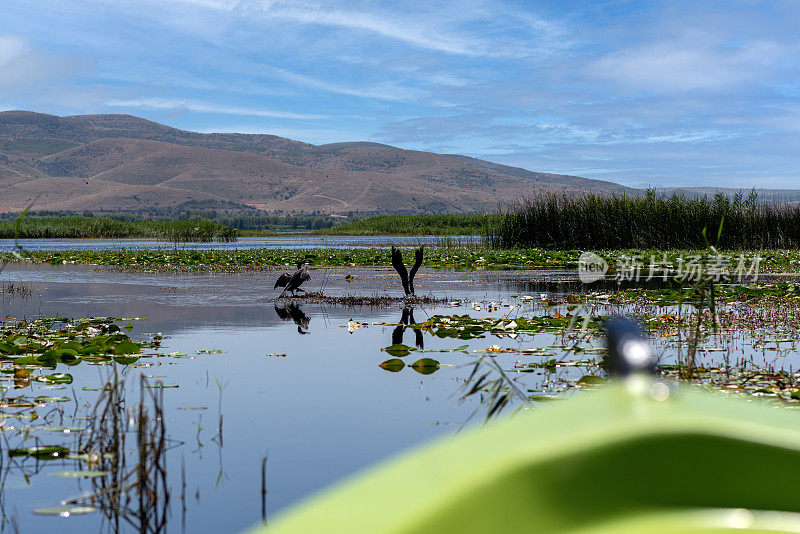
[[407, 278], [293, 281], [292, 311]]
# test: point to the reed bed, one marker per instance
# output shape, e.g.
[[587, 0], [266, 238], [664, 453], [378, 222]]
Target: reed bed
[[441, 225], [597, 221], [97, 227]]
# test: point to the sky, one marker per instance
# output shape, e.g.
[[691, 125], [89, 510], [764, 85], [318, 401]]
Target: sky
[[662, 93]]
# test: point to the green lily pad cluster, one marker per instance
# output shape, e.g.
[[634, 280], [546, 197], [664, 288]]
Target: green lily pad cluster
[[467, 327], [39, 343], [424, 366], [462, 258], [785, 291]]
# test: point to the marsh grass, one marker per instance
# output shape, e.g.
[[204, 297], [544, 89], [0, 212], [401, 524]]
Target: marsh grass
[[601, 221], [437, 225], [135, 490], [18, 251], [97, 227], [15, 290]]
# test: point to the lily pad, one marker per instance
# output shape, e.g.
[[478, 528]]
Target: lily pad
[[42, 452], [45, 399], [126, 347], [393, 365], [65, 511], [591, 380], [58, 378], [399, 350], [425, 366]]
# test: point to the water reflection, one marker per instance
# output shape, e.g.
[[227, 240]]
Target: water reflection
[[116, 448], [292, 242], [292, 311], [217, 329], [134, 489], [407, 318]]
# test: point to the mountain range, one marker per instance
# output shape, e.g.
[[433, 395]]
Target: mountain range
[[121, 163]]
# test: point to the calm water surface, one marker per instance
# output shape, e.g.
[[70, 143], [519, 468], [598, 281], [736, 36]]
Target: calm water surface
[[275, 242], [322, 411], [291, 382]]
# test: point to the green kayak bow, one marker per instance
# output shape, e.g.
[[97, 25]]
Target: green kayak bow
[[634, 456]]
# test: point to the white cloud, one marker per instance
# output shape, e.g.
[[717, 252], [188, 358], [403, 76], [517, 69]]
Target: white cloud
[[381, 91], [435, 27], [695, 61], [414, 32], [23, 66], [11, 47], [201, 107]]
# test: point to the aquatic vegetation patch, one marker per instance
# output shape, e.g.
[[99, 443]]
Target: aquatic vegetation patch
[[695, 344], [15, 289], [177, 231], [785, 291], [467, 327], [45, 342], [459, 258]]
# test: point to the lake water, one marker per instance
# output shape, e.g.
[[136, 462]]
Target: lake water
[[243, 243], [322, 411], [292, 382]]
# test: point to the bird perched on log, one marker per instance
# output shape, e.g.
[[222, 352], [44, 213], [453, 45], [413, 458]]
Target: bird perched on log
[[293, 281], [407, 278]]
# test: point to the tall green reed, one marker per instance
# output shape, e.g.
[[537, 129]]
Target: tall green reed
[[98, 227], [616, 221]]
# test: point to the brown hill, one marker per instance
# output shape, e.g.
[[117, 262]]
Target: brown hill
[[125, 163]]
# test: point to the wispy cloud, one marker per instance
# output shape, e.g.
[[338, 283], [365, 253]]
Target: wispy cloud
[[635, 91], [381, 91], [23, 65], [449, 27], [202, 107], [414, 32], [694, 61], [12, 47]]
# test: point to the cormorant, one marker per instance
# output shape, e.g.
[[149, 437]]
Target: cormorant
[[293, 281], [407, 278]]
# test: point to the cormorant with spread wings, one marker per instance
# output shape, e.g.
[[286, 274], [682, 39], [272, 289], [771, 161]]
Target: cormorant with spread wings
[[407, 278], [293, 281]]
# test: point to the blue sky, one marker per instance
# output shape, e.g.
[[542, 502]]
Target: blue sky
[[642, 93]]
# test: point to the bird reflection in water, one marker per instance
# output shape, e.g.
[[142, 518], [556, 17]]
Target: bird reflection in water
[[407, 319], [291, 310]]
